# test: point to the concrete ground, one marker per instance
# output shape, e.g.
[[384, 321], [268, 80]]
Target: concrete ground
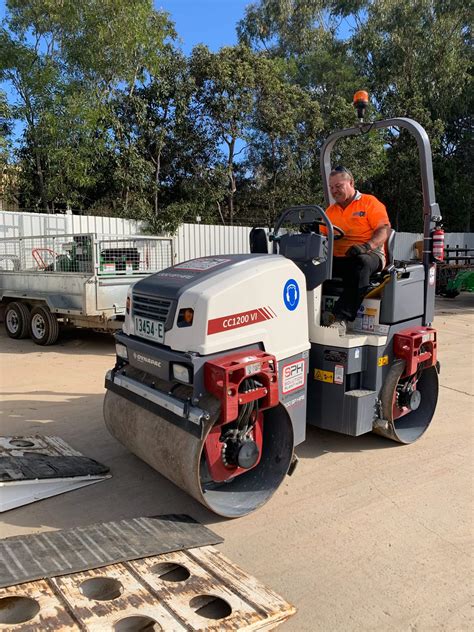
[[367, 534]]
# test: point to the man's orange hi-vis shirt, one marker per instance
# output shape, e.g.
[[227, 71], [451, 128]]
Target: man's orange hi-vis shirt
[[358, 221]]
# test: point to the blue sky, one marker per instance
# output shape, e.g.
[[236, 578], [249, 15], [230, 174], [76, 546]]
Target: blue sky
[[210, 22]]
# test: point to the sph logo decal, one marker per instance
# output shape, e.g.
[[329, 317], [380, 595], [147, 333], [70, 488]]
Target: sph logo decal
[[291, 294], [293, 375]]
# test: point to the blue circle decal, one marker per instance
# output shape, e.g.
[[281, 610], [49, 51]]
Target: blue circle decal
[[291, 294]]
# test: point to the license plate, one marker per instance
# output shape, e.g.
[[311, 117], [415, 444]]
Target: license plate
[[151, 329]]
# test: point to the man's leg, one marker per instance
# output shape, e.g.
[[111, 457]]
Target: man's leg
[[355, 273]]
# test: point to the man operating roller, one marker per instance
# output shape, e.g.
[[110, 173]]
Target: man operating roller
[[360, 253]]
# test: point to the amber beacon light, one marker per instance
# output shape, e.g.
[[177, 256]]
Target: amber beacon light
[[360, 102]]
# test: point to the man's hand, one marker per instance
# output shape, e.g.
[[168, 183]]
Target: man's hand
[[358, 249]]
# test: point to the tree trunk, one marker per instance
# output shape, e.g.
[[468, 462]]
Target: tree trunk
[[39, 173], [157, 178], [232, 184]]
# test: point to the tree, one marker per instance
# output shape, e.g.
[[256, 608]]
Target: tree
[[417, 61], [5, 131], [285, 126], [225, 95], [305, 36], [66, 62]]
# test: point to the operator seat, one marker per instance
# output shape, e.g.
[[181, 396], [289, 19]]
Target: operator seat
[[258, 241], [334, 285], [390, 248], [389, 258]]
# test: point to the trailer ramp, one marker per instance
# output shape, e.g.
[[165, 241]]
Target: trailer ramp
[[37, 467]]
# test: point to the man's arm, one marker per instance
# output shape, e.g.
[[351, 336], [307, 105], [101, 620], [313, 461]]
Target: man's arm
[[379, 236]]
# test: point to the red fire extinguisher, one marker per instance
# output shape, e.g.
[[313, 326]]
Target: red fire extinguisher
[[437, 235]]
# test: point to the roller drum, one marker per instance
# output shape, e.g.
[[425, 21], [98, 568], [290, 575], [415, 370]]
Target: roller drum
[[410, 427], [178, 455]]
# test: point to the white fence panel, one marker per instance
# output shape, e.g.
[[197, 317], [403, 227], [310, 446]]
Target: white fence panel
[[463, 240], [190, 241], [405, 242], [26, 224], [23, 224], [103, 225], [200, 240]]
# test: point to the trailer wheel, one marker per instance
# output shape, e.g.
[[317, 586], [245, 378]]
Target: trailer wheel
[[17, 320], [44, 327]]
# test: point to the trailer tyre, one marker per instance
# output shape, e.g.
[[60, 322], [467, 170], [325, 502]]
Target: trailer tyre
[[17, 320], [44, 326]]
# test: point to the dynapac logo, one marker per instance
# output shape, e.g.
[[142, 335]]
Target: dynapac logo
[[140, 358], [242, 319]]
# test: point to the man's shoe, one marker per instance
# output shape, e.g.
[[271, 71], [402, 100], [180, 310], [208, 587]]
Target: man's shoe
[[327, 319]]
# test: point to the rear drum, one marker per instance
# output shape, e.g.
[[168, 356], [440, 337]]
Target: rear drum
[[399, 422]]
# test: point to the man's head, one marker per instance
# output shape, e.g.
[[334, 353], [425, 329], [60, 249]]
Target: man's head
[[341, 185]]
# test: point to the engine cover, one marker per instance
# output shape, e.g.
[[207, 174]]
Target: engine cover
[[237, 300]]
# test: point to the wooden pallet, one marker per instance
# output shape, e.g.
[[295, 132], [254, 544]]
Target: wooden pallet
[[197, 589]]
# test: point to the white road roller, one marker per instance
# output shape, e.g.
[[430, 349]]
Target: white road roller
[[223, 361]]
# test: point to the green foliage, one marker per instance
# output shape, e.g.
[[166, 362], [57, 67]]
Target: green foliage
[[416, 58], [118, 121], [5, 130]]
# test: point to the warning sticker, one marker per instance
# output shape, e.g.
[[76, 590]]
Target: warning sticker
[[338, 374], [293, 376], [250, 369], [370, 311], [383, 360], [323, 376], [432, 275], [201, 265]]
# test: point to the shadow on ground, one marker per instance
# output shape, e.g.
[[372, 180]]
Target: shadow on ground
[[135, 489], [71, 341]]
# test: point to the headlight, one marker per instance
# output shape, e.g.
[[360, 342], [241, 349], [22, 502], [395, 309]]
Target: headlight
[[185, 317], [182, 373], [121, 351], [127, 327]]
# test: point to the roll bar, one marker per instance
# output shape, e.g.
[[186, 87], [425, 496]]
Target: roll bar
[[431, 211]]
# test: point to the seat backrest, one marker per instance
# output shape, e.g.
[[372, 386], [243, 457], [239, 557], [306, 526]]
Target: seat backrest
[[390, 246], [258, 241]]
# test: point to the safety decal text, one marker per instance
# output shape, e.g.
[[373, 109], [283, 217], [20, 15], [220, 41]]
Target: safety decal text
[[383, 360], [323, 376], [294, 375], [242, 319]]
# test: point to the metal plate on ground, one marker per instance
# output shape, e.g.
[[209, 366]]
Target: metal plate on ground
[[52, 553], [36, 467], [197, 589]]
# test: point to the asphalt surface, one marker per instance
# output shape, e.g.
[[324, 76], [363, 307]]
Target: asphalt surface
[[366, 535]]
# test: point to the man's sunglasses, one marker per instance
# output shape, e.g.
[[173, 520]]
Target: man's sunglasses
[[341, 169]]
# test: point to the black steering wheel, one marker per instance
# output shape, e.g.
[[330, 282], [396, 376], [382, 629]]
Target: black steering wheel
[[306, 216], [312, 255]]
